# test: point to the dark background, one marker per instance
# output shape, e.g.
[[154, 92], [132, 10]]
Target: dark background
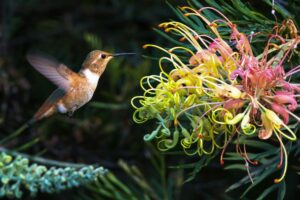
[[69, 30], [102, 131]]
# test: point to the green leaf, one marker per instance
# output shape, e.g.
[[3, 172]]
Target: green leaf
[[259, 144], [168, 37], [247, 12], [281, 191], [118, 183], [267, 191], [285, 13], [110, 106], [215, 5], [236, 166], [258, 179]]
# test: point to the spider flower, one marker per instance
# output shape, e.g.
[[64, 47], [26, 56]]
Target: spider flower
[[208, 92]]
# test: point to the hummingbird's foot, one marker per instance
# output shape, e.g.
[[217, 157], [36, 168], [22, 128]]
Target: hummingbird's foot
[[70, 114], [72, 110]]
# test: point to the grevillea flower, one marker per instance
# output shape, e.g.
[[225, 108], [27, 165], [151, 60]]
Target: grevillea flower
[[214, 92]]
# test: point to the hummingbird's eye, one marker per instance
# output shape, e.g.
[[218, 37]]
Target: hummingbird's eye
[[103, 56]]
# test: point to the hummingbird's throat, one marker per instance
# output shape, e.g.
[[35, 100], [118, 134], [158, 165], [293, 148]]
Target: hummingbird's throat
[[91, 77]]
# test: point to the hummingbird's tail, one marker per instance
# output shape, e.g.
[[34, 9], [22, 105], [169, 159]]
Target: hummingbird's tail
[[45, 111]]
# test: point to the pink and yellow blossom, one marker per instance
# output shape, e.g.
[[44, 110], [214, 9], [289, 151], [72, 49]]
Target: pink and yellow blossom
[[215, 92]]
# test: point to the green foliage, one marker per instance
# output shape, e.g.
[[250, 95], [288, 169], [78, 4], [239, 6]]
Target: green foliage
[[158, 183], [258, 174], [135, 187], [17, 174]]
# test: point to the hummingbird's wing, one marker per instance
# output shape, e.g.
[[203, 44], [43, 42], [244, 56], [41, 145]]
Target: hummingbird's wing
[[56, 72]]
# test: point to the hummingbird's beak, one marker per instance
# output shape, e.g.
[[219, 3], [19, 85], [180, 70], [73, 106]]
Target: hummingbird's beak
[[122, 54]]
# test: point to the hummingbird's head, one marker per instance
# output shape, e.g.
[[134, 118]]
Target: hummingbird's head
[[96, 61]]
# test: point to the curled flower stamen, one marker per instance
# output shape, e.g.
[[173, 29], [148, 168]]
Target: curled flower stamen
[[278, 180]]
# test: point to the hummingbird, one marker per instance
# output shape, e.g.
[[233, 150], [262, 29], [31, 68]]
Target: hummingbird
[[75, 89]]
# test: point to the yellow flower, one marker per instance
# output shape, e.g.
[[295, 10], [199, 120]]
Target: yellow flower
[[229, 91], [247, 128], [272, 122], [265, 133]]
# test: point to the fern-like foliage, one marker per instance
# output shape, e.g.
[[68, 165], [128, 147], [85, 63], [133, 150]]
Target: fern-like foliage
[[137, 184], [256, 174], [18, 174]]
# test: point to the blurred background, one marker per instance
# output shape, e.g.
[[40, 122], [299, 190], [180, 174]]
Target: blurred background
[[102, 131]]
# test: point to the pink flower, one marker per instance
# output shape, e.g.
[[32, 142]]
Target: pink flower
[[234, 104], [281, 110], [236, 73], [286, 99], [221, 47]]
